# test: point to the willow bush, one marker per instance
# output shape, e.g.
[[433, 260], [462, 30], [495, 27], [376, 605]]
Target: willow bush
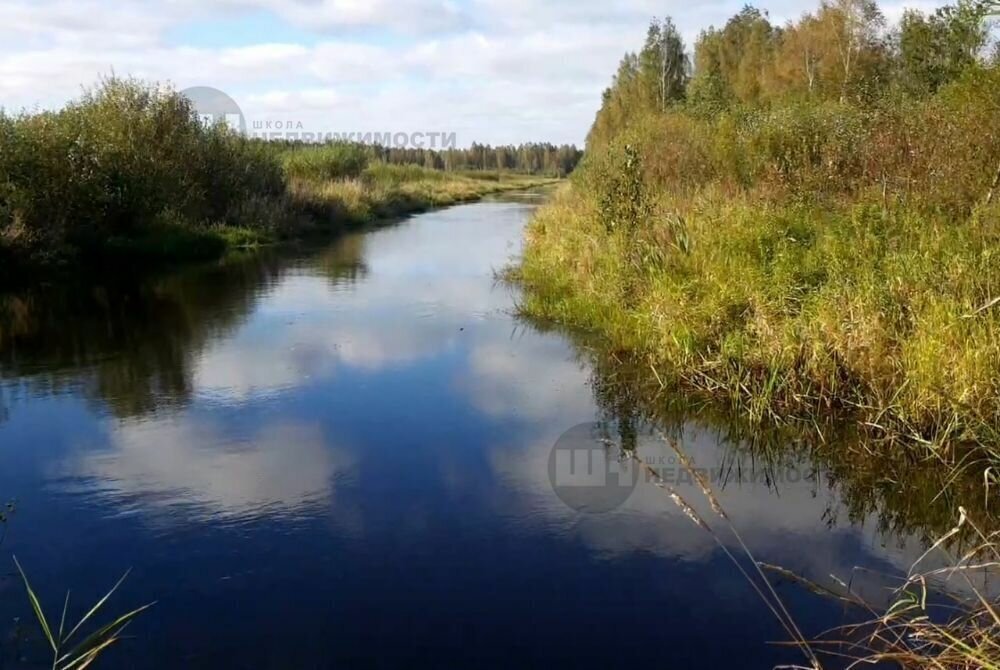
[[124, 159]]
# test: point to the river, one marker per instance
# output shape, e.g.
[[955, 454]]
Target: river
[[340, 457]]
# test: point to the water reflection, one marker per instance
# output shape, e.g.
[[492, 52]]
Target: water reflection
[[194, 471], [131, 346], [808, 496], [128, 347], [330, 448], [783, 509], [899, 493]]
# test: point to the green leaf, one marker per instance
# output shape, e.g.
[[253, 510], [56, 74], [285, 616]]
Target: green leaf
[[100, 603], [99, 639], [37, 606]]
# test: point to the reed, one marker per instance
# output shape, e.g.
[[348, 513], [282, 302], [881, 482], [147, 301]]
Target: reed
[[925, 625], [84, 653]]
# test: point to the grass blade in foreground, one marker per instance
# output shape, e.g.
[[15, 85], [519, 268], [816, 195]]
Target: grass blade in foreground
[[955, 631], [98, 642]]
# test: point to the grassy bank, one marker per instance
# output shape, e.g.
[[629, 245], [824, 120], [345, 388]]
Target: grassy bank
[[794, 250], [128, 174], [384, 191], [785, 309]]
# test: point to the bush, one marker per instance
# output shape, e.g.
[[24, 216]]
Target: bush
[[620, 190], [110, 164], [389, 175], [334, 160]]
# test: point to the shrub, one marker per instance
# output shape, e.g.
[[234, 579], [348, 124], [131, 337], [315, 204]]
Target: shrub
[[109, 164], [334, 160]]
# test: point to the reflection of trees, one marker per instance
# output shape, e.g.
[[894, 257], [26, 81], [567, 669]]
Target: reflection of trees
[[4, 407], [130, 344], [909, 493], [126, 344], [620, 409], [344, 261]]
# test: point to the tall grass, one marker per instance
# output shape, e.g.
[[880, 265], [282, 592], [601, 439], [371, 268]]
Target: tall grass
[[923, 629], [797, 259], [83, 653]]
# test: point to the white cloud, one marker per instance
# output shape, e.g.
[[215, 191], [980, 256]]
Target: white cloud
[[405, 16], [489, 70], [783, 524], [185, 464], [340, 62], [263, 56], [535, 379], [83, 25]]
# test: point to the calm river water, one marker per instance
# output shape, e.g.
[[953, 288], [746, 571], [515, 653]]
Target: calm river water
[[340, 458]]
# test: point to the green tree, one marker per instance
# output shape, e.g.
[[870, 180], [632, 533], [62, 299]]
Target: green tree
[[934, 50], [618, 101], [734, 63], [709, 91], [836, 53], [663, 65]]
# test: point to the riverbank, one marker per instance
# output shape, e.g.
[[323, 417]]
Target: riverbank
[[128, 175], [386, 192], [794, 251], [312, 209], [790, 310], [798, 316], [260, 365], [797, 246]]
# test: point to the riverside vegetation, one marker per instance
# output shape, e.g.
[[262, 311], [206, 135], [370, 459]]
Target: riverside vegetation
[[810, 221], [802, 222], [128, 172]]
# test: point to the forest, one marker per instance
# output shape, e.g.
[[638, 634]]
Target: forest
[[798, 218], [531, 158]]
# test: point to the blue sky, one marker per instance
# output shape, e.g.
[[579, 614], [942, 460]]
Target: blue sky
[[498, 71]]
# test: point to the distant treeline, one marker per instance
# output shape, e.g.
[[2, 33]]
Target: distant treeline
[[545, 159], [532, 158]]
